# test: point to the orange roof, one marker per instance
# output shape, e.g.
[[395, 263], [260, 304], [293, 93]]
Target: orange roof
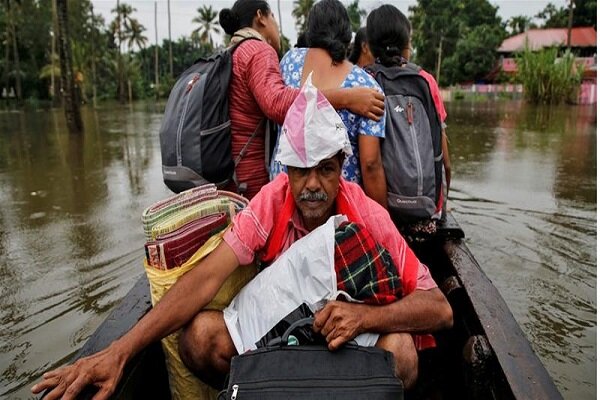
[[537, 39]]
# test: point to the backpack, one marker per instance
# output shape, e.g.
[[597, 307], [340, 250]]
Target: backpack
[[195, 134], [412, 149]]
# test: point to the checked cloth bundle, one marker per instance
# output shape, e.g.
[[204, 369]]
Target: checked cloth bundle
[[363, 268]]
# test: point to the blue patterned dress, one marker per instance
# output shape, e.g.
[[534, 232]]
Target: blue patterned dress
[[291, 69]]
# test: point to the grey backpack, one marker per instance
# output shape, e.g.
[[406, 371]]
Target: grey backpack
[[195, 135], [412, 149]]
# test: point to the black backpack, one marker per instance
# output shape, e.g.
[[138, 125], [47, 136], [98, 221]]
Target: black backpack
[[412, 149], [195, 135]]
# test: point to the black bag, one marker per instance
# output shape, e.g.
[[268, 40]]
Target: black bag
[[195, 135], [282, 371], [412, 150]]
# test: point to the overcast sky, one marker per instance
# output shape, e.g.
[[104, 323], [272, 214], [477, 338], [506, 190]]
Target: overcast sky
[[183, 11]]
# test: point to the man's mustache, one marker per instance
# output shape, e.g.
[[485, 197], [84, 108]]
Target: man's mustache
[[313, 196]]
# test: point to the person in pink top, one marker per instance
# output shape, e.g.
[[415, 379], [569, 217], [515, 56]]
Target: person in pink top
[[313, 147], [257, 90]]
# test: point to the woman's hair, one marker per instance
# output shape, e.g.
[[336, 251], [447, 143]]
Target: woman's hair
[[388, 34], [241, 15], [301, 41], [329, 28], [359, 39]]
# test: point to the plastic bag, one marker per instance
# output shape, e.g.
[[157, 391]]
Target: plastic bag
[[184, 385], [304, 273]]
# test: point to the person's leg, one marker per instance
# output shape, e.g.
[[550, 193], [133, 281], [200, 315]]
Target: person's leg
[[206, 348], [402, 346]]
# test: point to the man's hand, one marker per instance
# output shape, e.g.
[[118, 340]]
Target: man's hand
[[339, 322], [366, 102], [103, 370]]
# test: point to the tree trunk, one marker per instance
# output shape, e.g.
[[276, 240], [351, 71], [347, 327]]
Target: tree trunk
[[570, 25], [53, 55], [7, 63], [71, 105], [156, 76], [121, 83], [93, 58], [13, 34], [170, 44], [280, 21], [439, 60]]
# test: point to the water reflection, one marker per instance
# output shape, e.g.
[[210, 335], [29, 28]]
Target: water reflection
[[71, 243]]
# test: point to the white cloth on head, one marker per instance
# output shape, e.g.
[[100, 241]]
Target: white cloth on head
[[312, 131]]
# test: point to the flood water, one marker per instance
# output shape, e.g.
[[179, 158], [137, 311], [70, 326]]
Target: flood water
[[71, 241]]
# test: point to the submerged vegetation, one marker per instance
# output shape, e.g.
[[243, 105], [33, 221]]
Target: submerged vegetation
[[547, 78]]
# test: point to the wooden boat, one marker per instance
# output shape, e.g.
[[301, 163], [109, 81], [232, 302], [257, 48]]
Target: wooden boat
[[484, 356]]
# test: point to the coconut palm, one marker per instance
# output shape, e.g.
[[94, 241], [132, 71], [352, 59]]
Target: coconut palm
[[135, 35], [356, 15], [300, 12], [207, 18], [118, 27]]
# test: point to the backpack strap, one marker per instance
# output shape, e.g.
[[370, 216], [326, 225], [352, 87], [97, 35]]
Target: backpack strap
[[241, 185]]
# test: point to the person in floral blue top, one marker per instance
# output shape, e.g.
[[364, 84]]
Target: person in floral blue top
[[329, 34]]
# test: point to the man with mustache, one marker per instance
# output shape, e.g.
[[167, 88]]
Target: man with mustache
[[313, 145]]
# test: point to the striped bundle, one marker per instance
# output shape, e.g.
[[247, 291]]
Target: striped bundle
[[178, 226]]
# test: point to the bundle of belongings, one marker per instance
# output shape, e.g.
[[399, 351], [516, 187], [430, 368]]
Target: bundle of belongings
[[180, 231]]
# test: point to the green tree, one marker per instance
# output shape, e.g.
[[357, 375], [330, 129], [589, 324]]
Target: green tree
[[519, 24], [135, 34], [584, 14], [300, 13], [438, 25], [356, 15], [475, 54], [554, 17], [123, 13], [207, 19]]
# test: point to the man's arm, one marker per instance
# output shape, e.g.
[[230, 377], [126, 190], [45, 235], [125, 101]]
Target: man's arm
[[180, 304], [419, 312]]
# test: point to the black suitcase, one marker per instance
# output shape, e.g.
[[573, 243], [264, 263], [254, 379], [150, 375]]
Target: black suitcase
[[282, 371]]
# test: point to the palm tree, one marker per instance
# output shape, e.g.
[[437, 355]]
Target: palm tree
[[356, 15], [123, 12], [170, 41], [519, 24], [72, 112], [135, 35], [300, 12], [207, 18]]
